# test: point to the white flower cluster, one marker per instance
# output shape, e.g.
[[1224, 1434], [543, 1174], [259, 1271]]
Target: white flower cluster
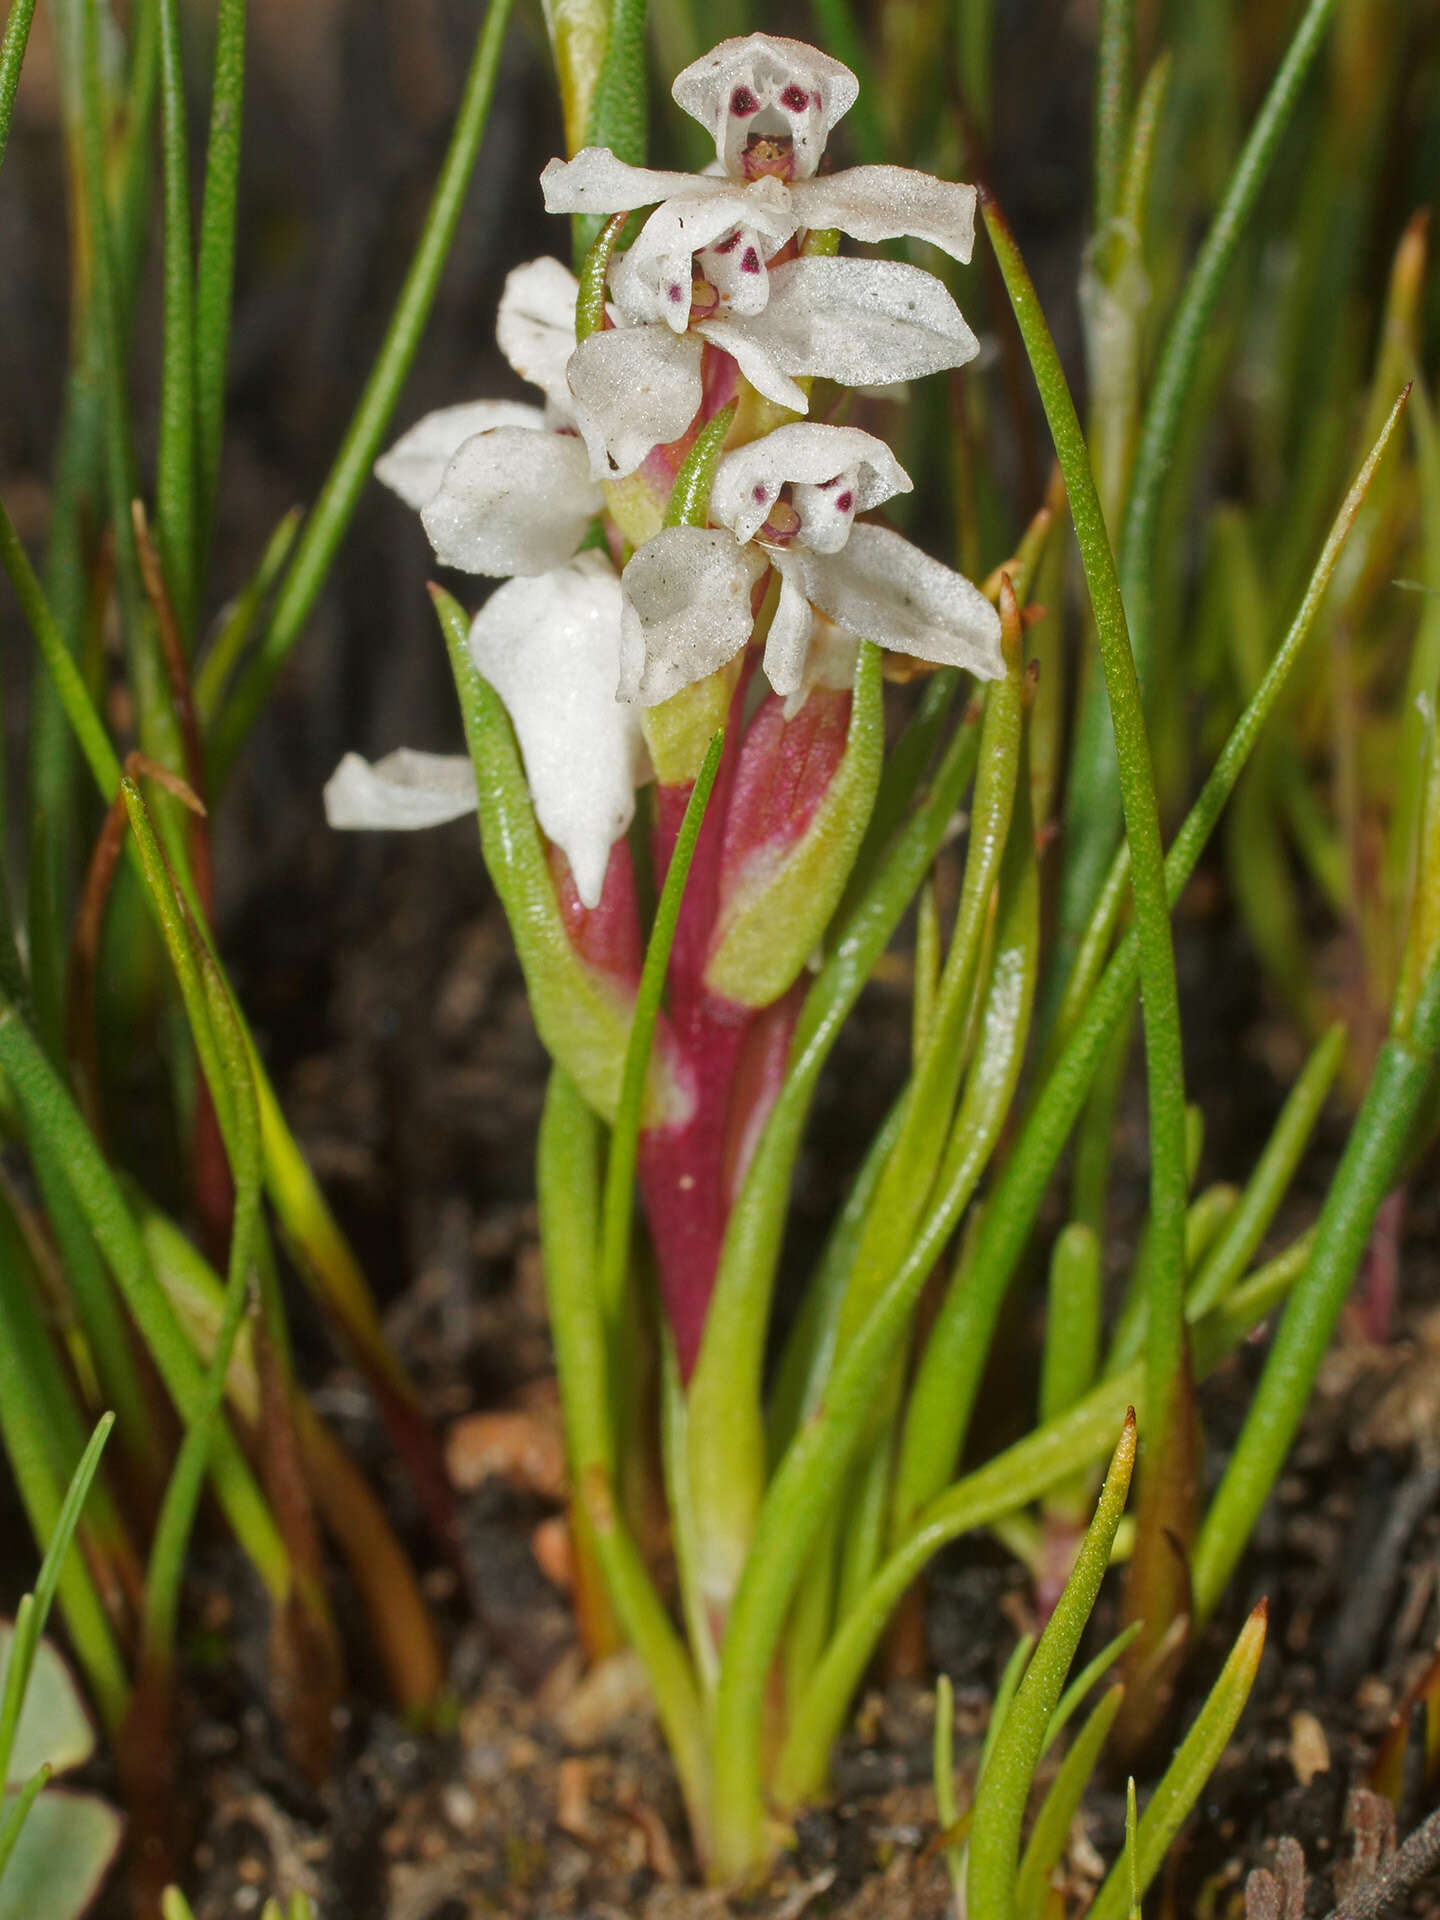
[[575, 649]]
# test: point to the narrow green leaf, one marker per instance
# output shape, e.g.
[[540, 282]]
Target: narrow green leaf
[[176, 520], [1184, 1779], [12, 58], [1004, 1786], [215, 269], [1051, 1831]]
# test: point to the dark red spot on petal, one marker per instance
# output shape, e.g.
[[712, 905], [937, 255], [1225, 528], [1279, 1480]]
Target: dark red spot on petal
[[729, 243], [795, 98], [761, 493], [751, 262], [825, 484], [743, 101], [677, 294], [845, 503]]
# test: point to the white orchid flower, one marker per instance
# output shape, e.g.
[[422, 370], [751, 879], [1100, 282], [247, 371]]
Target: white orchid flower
[[701, 265], [550, 647], [789, 501], [504, 489]]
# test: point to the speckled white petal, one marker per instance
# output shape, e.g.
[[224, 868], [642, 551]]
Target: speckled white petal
[[634, 388], [864, 323], [550, 647], [687, 610], [407, 789], [596, 182], [415, 465], [884, 203], [512, 502], [755, 360], [787, 644], [535, 328], [881, 588], [748, 480], [765, 68]]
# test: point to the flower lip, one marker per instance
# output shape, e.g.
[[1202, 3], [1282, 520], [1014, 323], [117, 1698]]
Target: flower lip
[[801, 466]]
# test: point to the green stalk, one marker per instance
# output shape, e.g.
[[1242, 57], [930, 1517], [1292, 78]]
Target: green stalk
[[1094, 774], [569, 1230], [948, 1380], [1373, 1160], [12, 56], [234, 1094], [215, 268], [331, 515], [1164, 1059], [1004, 1787], [1114, 85], [175, 469], [1051, 1831]]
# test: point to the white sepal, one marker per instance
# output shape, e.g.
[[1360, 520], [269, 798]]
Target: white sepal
[[881, 588], [535, 328], [884, 203], [865, 323], [550, 647], [634, 388], [407, 789], [512, 502], [748, 481], [687, 610], [415, 465], [766, 67], [596, 182], [733, 335]]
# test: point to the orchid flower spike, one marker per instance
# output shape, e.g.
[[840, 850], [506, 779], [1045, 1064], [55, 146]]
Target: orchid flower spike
[[716, 259], [788, 502], [504, 489]]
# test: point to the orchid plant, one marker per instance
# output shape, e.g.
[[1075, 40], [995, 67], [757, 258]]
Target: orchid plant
[[677, 697], [729, 732]]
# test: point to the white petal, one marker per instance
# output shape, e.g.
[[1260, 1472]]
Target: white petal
[[748, 480], [881, 588], [535, 328], [766, 67], [634, 388], [550, 647], [787, 644], [652, 280], [883, 203], [513, 502], [687, 610], [415, 465], [863, 322], [406, 789], [755, 360], [596, 182]]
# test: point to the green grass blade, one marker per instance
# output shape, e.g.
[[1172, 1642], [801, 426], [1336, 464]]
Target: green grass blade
[[1185, 1778], [12, 57], [16, 1811], [175, 469], [1051, 1830], [215, 269], [1004, 1786]]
